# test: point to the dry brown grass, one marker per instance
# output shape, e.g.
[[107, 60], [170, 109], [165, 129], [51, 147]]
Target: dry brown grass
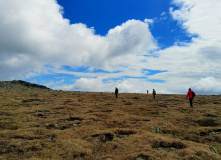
[[97, 126]]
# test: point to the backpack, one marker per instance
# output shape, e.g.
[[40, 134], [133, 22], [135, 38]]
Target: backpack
[[193, 94]]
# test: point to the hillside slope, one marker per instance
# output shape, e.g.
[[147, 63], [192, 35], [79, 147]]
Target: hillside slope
[[98, 126]]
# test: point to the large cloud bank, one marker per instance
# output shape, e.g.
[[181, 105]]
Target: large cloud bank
[[34, 35]]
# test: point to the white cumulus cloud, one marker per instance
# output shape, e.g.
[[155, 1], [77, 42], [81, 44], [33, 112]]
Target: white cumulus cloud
[[34, 35], [208, 85]]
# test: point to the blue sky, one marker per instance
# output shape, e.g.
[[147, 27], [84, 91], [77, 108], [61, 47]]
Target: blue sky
[[105, 15], [97, 45]]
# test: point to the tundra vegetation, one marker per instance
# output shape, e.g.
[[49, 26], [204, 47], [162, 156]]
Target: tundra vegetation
[[46, 124]]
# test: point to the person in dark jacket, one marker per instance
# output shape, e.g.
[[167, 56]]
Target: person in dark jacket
[[191, 94], [116, 92], [154, 94]]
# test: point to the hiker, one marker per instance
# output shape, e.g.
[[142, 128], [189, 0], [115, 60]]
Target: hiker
[[154, 93], [116, 92], [191, 94], [147, 91]]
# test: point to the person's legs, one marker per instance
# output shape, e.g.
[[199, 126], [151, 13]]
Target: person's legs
[[191, 102]]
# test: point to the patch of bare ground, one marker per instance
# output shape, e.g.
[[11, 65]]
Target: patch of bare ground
[[98, 126]]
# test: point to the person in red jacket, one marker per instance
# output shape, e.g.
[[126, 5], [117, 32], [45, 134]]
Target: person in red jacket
[[191, 94]]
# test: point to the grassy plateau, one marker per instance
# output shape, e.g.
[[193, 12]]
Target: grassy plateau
[[56, 125]]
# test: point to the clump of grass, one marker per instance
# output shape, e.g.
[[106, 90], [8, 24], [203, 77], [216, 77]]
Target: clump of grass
[[213, 149], [207, 122], [74, 148], [8, 125], [156, 130]]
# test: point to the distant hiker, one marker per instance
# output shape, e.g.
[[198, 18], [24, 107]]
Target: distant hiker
[[191, 94], [116, 92], [147, 91], [154, 94]]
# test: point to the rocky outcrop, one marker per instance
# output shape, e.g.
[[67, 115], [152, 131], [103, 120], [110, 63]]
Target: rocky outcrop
[[20, 85]]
